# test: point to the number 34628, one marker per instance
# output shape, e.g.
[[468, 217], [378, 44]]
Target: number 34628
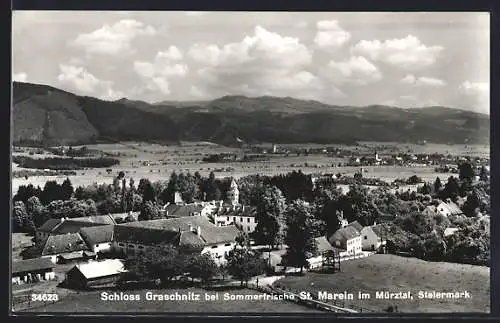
[[44, 297]]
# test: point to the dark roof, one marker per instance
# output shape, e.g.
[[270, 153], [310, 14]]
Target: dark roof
[[356, 225], [168, 230], [63, 243], [344, 234], [97, 234], [143, 235], [49, 225], [249, 211], [31, 265], [72, 255], [183, 210], [72, 226], [322, 244]]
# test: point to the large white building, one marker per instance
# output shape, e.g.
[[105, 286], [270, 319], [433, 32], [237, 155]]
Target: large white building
[[243, 217], [233, 194]]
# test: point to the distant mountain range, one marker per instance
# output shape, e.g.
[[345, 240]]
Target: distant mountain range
[[46, 115]]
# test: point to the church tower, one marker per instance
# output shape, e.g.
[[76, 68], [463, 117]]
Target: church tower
[[233, 194]]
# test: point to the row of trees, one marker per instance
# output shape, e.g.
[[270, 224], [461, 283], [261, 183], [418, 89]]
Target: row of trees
[[166, 262]]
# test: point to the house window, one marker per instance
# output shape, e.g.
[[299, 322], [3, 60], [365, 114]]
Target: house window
[[121, 244], [248, 220], [213, 247], [141, 247], [131, 246], [241, 219], [234, 219], [248, 228], [228, 218], [227, 245], [366, 237]]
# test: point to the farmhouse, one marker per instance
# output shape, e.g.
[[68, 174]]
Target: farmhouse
[[373, 237], [64, 246], [190, 232], [98, 239], [72, 225], [94, 273], [32, 270], [448, 208], [347, 240]]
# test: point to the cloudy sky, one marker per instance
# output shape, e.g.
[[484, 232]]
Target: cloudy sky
[[401, 59]]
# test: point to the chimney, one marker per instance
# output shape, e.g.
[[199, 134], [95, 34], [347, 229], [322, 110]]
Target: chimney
[[198, 231]]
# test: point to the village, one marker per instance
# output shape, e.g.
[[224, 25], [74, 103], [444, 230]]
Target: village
[[89, 252]]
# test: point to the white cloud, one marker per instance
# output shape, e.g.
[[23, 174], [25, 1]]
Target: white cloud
[[475, 96], [20, 77], [157, 74], [112, 39], [407, 53], [84, 82], [330, 35], [264, 63], [355, 70], [172, 53], [422, 81]]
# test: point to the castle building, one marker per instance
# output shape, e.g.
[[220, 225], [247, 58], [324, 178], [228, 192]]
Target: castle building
[[233, 194]]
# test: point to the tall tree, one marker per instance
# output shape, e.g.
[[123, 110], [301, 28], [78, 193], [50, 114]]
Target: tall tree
[[66, 189], [483, 174], [466, 172], [34, 208], [299, 235], [202, 266], [270, 208], [146, 190], [437, 185], [19, 216], [243, 263], [51, 192], [149, 211]]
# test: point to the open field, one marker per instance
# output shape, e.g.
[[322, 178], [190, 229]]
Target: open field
[[156, 162], [398, 274], [90, 302]]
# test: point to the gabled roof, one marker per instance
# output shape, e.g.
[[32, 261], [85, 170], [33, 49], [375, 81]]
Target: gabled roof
[[72, 226], [356, 225], [169, 230], [97, 234], [72, 255], [49, 225], [379, 230], [98, 219], [183, 210], [31, 265], [63, 243], [322, 244], [96, 269], [143, 235], [454, 208], [344, 234]]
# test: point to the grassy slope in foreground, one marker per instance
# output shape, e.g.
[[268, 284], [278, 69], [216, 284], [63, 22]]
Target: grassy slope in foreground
[[90, 302], [394, 274]]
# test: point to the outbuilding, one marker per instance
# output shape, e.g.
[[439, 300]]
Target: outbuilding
[[94, 273], [32, 270]]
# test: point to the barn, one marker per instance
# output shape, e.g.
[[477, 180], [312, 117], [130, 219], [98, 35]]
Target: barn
[[32, 270], [94, 273]]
